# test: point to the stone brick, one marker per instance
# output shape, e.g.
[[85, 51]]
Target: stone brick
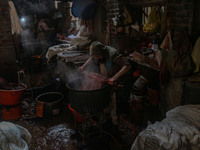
[[7, 51]]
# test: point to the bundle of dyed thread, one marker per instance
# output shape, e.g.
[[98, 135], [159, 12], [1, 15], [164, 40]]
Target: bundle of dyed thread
[[93, 81]]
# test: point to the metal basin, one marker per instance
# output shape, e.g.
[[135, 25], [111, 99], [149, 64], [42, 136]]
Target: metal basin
[[49, 104]]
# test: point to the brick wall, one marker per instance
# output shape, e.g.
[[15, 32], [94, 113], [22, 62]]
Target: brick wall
[[114, 9], [196, 21], [180, 13], [8, 65]]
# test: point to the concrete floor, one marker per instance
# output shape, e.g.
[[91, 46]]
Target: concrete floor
[[59, 132]]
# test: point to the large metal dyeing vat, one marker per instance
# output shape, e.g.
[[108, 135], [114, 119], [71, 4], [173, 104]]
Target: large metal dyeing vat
[[88, 101]]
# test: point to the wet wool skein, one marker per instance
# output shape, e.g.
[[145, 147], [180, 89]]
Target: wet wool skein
[[91, 84]]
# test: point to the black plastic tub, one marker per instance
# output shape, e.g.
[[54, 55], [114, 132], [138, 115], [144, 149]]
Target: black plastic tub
[[49, 104]]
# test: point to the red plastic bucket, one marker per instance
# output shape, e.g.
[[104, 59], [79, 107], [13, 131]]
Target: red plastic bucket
[[79, 119], [10, 101], [11, 112], [12, 97]]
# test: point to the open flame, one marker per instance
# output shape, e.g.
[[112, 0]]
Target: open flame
[[36, 56]]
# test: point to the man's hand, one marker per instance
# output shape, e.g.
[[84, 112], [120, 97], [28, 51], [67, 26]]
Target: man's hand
[[111, 81], [81, 68]]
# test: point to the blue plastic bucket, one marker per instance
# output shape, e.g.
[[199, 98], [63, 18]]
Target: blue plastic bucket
[[84, 9]]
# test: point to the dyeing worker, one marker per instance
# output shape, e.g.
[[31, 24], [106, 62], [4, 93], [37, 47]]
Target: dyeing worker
[[44, 34], [118, 70]]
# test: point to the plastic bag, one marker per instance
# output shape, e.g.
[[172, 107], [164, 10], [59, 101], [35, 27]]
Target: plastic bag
[[167, 42], [153, 21], [180, 66]]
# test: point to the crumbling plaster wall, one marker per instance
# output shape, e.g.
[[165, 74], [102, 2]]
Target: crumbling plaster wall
[[8, 66]]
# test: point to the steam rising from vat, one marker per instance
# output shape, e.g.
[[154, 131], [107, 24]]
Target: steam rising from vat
[[37, 8], [78, 79], [29, 43], [25, 7], [27, 10], [67, 72]]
